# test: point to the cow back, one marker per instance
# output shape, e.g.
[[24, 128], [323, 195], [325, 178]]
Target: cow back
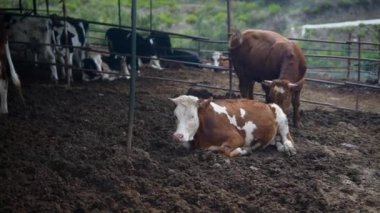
[[262, 55], [216, 125]]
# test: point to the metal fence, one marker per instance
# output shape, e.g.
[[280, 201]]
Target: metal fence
[[350, 65]]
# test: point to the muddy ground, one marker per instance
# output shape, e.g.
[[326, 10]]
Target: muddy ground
[[65, 152]]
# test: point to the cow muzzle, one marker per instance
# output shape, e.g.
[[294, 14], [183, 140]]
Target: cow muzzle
[[178, 137]]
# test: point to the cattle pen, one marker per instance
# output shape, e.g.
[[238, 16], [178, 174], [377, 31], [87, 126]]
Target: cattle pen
[[98, 28], [67, 149]]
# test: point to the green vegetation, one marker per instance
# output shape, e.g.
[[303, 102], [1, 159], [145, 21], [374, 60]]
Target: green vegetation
[[208, 19]]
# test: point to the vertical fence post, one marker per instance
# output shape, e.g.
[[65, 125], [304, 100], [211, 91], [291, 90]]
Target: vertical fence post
[[349, 56], [359, 69], [34, 7], [47, 7], [359, 57], [65, 44], [378, 64], [228, 38], [20, 6], [132, 81], [151, 16], [119, 12]]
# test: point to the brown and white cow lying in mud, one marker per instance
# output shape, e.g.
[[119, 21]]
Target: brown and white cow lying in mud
[[233, 127], [259, 55]]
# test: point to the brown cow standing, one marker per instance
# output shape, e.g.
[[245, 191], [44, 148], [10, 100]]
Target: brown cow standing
[[232, 127], [259, 55]]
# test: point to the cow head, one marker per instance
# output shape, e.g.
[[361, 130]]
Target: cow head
[[215, 57], [281, 92], [186, 113]]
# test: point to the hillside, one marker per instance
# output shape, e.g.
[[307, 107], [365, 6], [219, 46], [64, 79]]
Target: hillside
[[208, 18]]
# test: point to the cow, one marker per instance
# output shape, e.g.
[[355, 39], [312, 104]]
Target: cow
[[162, 43], [37, 34], [233, 127], [259, 55], [6, 61], [104, 67], [45, 37], [220, 60], [186, 58], [76, 40], [120, 40], [92, 66]]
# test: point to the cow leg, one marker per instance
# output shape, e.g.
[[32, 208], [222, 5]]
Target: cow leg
[[3, 96], [266, 90], [138, 62], [62, 64], [283, 130], [35, 59], [155, 63], [69, 69], [49, 55], [244, 87], [233, 146], [78, 56], [296, 112], [250, 89], [124, 68]]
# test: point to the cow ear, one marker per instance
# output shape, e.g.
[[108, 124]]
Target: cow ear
[[174, 100], [202, 103], [294, 87]]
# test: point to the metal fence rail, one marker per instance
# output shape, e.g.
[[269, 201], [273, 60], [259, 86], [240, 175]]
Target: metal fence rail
[[207, 40]]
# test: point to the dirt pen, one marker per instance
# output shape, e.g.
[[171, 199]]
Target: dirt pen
[[65, 151]]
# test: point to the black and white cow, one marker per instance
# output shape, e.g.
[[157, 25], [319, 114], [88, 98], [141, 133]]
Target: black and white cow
[[106, 68], [45, 37], [37, 32], [119, 42], [162, 43], [76, 39]]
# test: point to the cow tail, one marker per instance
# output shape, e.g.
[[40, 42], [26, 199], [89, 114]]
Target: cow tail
[[15, 79], [236, 39]]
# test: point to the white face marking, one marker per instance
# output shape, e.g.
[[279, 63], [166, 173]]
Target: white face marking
[[215, 57], [249, 127], [187, 116], [279, 89], [242, 113]]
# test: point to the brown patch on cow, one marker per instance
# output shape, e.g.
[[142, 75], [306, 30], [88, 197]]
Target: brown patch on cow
[[216, 130]]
